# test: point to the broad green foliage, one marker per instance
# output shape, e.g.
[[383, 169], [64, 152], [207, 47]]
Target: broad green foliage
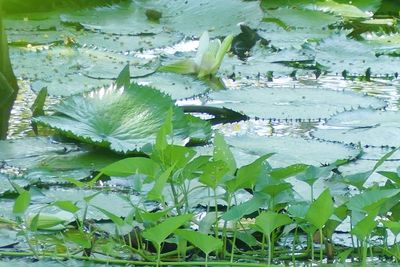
[[246, 194], [376, 128], [124, 120], [291, 103]]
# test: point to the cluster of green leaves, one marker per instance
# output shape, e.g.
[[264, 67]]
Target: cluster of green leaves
[[174, 174]]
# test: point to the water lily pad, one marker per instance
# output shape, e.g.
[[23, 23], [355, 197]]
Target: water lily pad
[[339, 53], [176, 85], [33, 22], [263, 60], [123, 120], [127, 18], [289, 150], [190, 17], [66, 71], [298, 18], [372, 128], [291, 103], [41, 159], [126, 43]]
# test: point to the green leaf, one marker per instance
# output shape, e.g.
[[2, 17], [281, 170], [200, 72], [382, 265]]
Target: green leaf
[[213, 173], [394, 176], [202, 241], [368, 199], [124, 119], [247, 175], [364, 227], [172, 155], [45, 221], [248, 207], [38, 104], [286, 172], [320, 210], [312, 174], [66, 205], [22, 202], [268, 221], [130, 166], [222, 152], [156, 193], [394, 227], [161, 231], [114, 218], [124, 78]]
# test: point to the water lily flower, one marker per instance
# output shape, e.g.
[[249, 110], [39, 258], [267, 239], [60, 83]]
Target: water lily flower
[[208, 58]]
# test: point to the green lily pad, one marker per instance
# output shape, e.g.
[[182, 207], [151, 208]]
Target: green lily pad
[[124, 120], [190, 17], [369, 127], [291, 103], [127, 18], [298, 18], [263, 60], [41, 159], [32, 22], [66, 71], [126, 43], [339, 53], [289, 150], [176, 85]]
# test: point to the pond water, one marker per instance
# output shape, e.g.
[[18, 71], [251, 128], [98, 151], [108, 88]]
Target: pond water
[[311, 92]]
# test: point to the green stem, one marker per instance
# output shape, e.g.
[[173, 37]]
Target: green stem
[[364, 252], [321, 236], [158, 255], [269, 250], [312, 247], [216, 213], [175, 196], [129, 262]]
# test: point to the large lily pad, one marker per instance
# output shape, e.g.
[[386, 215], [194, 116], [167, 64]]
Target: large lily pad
[[127, 18], [126, 43], [291, 103], [188, 17], [66, 71], [176, 85], [42, 159], [289, 150], [122, 119], [373, 128], [263, 60], [339, 53]]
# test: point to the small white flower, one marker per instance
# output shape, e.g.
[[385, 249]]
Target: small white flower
[[208, 58]]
